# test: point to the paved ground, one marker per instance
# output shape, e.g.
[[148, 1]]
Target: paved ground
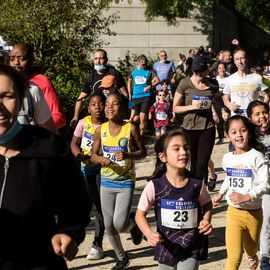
[[141, 256]]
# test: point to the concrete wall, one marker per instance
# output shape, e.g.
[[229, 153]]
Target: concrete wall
[[136, 35]]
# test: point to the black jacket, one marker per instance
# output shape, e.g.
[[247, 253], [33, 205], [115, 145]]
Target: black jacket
[[44, 195]]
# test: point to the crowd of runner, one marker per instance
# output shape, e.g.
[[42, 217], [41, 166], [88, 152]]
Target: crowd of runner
[[204, 94]]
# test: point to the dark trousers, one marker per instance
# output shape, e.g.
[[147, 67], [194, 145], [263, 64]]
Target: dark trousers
[[218, 105], [93, 188], [201, 146]]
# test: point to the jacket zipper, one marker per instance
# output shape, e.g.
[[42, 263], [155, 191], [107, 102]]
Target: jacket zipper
[[6, 166]]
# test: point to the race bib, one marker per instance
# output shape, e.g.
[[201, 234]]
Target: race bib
[[240, 180], [205, 101], [109, 152], [140, 80], [87, 141], [161, 116], [177, 214]]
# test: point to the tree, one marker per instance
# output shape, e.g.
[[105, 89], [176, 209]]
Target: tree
[[62, 32], [256, 11]]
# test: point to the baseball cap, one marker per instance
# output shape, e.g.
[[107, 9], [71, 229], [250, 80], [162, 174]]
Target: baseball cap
[[108, 81], [199, 63]]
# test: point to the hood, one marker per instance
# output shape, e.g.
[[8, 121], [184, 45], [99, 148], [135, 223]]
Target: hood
[[40, 143]]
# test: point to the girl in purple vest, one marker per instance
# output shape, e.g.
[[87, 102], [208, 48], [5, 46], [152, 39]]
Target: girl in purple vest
[[182, 207]]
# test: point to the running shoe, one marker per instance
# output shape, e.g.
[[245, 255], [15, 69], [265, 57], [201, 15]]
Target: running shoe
[[212, 183], [95, 253], [135, 232], [122, 264]]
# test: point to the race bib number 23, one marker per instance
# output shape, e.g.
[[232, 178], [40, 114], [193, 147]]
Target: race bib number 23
[[178, 214]]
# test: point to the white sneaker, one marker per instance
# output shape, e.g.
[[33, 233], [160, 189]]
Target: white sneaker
[[95, 253]]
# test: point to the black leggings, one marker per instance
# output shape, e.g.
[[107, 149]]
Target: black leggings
[[201, 146]]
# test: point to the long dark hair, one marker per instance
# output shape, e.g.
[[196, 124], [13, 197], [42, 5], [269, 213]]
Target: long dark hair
[[253, 141], [161, 147]]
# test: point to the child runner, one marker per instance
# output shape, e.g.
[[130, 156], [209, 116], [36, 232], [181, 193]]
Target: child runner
[[83, 138], [258, 112], [116, 138], [162, 112], [182, 207], [246, 181]]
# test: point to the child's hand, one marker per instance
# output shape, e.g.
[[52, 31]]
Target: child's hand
[[233, 106], [104, 161], [238, 198], [154, 239], [205, 227], [150, 116], [217, 199], [120, 155], [83, 158]]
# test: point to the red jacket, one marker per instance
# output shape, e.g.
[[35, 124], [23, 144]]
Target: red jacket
[[51, 97]]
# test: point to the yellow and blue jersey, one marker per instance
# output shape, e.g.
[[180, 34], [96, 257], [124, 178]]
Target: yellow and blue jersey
[[119, 174], [86, 146]]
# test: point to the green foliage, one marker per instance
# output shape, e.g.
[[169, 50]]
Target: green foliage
[[171, 9], [126, 65], [62, 32], [256, 11]]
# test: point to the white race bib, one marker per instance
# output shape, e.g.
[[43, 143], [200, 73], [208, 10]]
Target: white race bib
[[240, 180], [161, 116], [205, 101], [178, 214], [140, 80], [87, 141], [109, 152]]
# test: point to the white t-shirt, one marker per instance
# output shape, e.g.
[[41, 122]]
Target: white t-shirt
[[245, 173], [40, 107], [221, 83], [243, 90]]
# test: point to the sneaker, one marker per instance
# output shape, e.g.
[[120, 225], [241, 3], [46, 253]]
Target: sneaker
[[253, 262], [95, 253], [212, 183], [265, 264], [135, 232], [122, 264]]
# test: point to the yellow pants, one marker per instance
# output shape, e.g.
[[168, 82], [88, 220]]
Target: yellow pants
[[242, 232]]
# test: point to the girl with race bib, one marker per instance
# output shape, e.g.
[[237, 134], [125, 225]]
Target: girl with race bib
[[193, 98], [121, 144], [182, 207], [81, 146], [258, 112], [161, 110], [246, 181]]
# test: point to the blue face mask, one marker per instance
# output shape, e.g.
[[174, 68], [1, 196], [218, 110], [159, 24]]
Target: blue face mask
[[12, 132], [100, 67]]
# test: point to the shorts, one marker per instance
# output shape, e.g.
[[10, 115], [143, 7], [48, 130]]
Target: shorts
[[141, 104], [158, 129]]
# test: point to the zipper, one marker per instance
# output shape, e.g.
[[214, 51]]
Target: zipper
[[6, 166]]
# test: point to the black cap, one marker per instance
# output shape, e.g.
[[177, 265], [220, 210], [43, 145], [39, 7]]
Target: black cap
[[199, 63]]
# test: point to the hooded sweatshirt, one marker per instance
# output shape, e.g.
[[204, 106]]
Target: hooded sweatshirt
[[44, 194]]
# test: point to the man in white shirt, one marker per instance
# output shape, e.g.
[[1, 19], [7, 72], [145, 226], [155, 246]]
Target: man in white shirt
[[242, 87]]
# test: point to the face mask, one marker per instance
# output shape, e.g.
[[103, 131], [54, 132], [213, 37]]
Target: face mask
[[12, 132], [100, 67], [162, 61]]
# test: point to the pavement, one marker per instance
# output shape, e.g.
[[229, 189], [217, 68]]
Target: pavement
[[141, 256]]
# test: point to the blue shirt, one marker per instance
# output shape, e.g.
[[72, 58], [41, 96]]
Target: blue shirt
[[164, 70]]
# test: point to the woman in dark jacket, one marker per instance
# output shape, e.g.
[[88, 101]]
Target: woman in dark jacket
[[43, 201]]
